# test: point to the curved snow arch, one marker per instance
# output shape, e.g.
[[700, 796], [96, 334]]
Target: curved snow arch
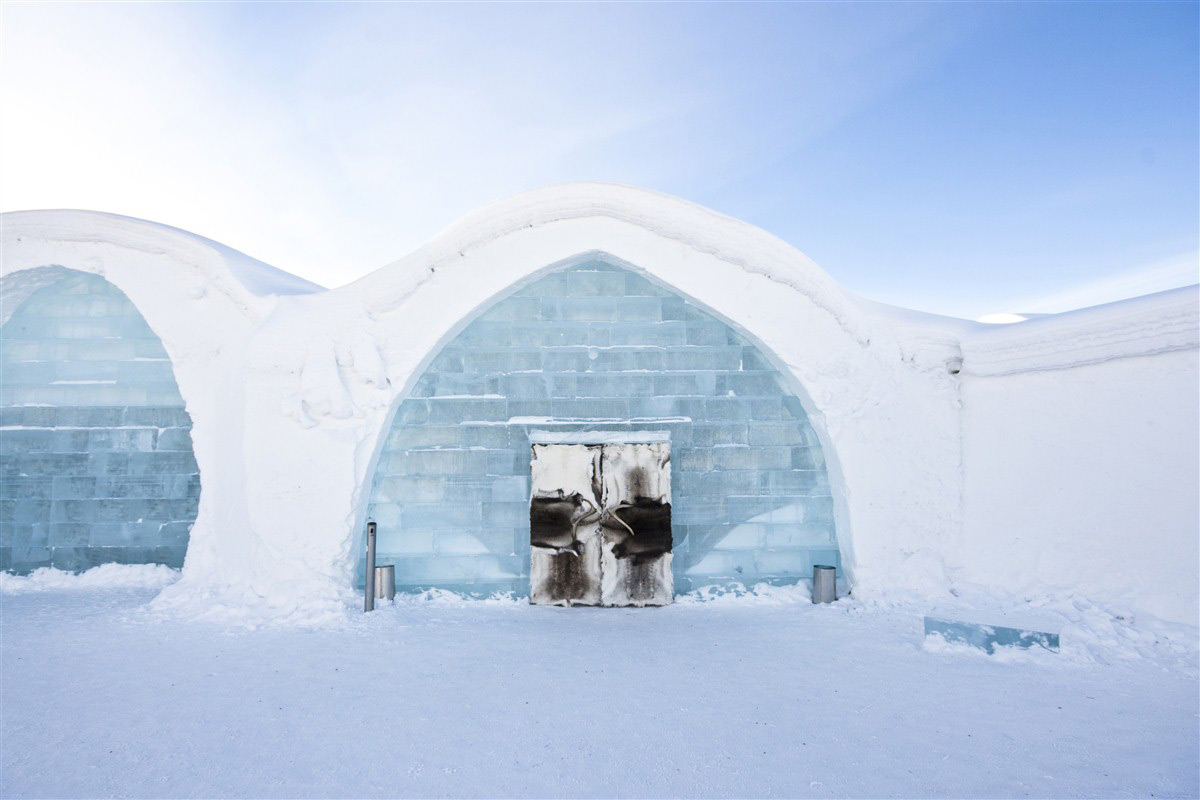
[[751, 491], [202, 300], [99, 465]]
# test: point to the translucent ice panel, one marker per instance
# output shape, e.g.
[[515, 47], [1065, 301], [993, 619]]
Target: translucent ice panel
[[600, 348], [988, 637], [96, 460]]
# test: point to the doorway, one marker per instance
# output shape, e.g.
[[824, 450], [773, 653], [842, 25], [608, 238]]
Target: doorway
[[600, 524]]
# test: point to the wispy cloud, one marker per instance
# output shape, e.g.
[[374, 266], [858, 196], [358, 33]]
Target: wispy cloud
[[1158, 276], [329, 140]]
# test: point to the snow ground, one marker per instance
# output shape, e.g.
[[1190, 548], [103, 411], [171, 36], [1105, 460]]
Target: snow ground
[[759, 696]]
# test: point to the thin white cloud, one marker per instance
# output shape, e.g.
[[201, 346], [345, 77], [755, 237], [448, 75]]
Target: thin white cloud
[[1179, 270]]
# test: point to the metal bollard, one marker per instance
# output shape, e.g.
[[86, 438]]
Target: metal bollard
[[369, 578], [824, 584], [385, 582]]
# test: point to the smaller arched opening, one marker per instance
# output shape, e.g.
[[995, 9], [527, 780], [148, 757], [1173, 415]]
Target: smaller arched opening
[[98, 464]]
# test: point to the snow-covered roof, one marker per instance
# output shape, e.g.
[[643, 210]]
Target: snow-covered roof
[[1156, 323], [700, 229], [23, 231]]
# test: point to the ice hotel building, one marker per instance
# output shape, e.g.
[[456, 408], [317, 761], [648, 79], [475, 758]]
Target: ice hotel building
[[578, 382]]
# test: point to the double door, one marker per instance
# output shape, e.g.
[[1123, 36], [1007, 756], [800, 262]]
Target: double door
[[600, 524]]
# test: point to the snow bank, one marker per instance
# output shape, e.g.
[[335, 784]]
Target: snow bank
[[106, 576], [441, 597], [1090, 635], [761, 594], [1090, 631]]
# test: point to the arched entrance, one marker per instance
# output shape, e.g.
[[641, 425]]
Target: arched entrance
[[600, 348], [98, 464]]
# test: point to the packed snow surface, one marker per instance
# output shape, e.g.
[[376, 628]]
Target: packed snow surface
[[105, 576], [746, 693]]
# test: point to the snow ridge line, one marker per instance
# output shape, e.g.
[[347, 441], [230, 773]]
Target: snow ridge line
[[751, 249], [1157, 323], [85, 227]]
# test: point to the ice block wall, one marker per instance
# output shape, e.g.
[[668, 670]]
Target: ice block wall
[[96, 444], [600, 348]]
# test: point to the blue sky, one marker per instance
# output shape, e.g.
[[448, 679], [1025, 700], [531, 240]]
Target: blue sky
[[962, 158]]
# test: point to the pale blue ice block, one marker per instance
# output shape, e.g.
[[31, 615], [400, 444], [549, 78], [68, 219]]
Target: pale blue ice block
[[112, 444], [989, 637]]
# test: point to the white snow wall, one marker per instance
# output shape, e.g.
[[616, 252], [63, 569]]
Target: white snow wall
[[1082, 450], [290, 393]]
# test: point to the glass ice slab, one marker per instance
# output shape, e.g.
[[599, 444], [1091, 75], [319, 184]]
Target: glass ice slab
[[989, 637], [93, 428]]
